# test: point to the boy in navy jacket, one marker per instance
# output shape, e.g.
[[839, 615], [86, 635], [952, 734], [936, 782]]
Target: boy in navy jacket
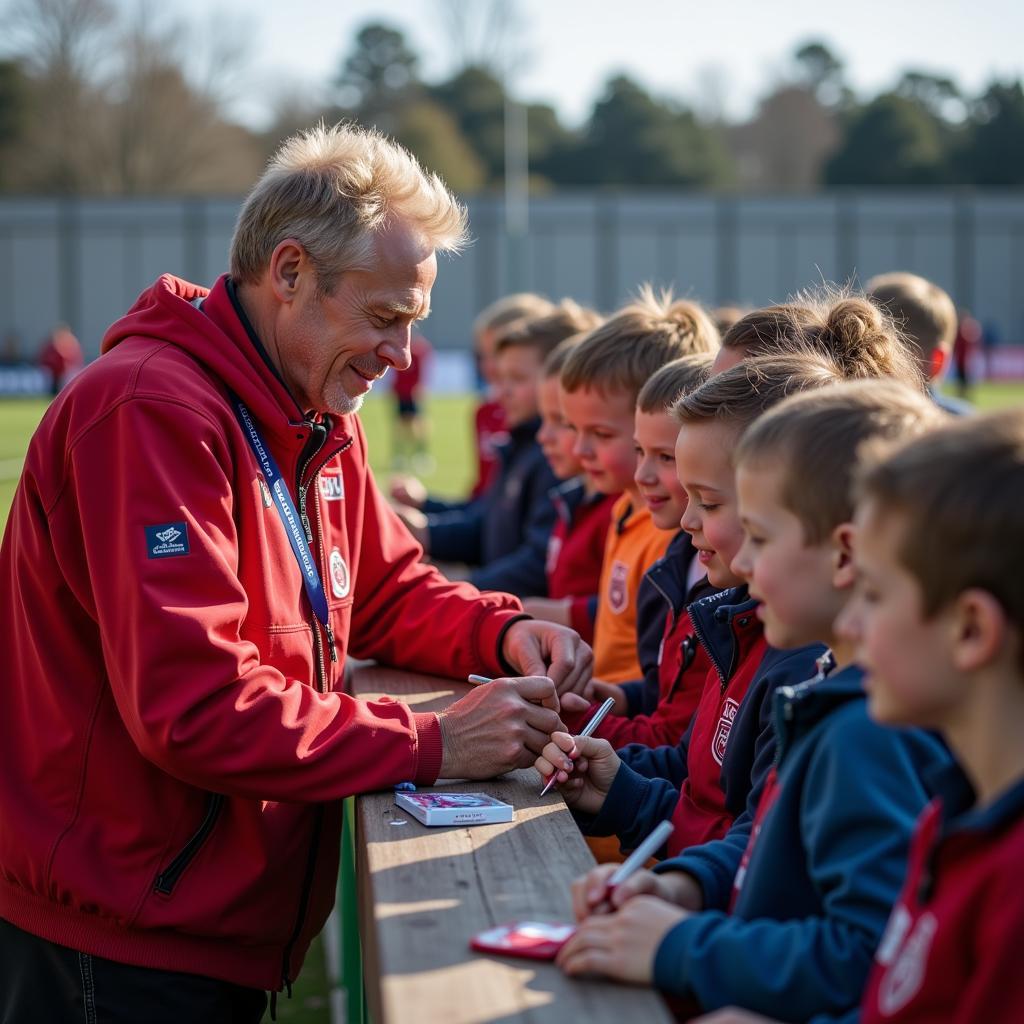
[[792, 909]]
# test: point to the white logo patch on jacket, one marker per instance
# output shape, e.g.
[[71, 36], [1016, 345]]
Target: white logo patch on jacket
[[341, 581], [332, 488], [721, 739]]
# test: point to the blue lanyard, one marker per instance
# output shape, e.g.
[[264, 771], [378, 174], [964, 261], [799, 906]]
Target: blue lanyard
[[290, 518]]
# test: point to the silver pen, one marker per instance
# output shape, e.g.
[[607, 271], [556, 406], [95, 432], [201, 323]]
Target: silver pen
[[588, 730]]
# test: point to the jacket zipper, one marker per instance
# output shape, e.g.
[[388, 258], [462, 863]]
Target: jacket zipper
[[314, 845], [307, 526], [168, 878], [702, 639]]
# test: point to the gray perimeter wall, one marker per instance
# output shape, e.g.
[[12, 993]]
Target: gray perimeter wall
[[84, 261]]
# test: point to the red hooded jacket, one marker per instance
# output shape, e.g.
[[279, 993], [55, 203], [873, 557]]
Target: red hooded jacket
[[176, 740]]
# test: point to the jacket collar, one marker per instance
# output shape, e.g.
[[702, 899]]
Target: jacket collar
[[668, 574], [215, 336], [797, 709], [715, 621], [567, 496], [960, 813]]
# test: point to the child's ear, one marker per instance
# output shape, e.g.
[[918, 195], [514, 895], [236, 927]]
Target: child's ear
[[938, 363], [843, 574], [981, 630]]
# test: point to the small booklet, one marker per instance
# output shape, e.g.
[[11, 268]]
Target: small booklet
[[454, 808]]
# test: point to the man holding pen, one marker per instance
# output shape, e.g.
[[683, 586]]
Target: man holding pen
[[195, 547]]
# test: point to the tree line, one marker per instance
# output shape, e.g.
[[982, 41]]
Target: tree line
[[92, 104]]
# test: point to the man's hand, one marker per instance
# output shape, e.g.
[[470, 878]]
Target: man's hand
[[498, 726], [416, 523], [584, 769], [550, 609], [621, 945], [590, 891], [545, 649], [408, 490]]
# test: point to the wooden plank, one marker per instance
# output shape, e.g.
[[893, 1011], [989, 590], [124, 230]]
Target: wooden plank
[[425, 892]]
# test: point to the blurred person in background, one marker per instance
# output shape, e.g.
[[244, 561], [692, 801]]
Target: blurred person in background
[[411, 429], [965, 348], [60, 356]]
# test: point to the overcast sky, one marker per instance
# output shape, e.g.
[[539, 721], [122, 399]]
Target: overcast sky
[[669, 45]]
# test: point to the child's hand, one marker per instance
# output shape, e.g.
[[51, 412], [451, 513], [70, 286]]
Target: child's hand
[[407, 490], [584, 767], [590, 891], [621, 945], [599, 691]]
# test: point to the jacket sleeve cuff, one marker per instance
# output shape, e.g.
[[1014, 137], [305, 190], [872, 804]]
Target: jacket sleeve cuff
[[619, 809], [506, 666], [634, 692], [429, 748], [671, 958], [715, 897]]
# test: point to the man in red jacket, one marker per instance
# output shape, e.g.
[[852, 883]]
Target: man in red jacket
[[194, 548]]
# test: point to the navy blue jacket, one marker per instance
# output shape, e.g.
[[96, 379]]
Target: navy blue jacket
[[828, 861], [505, 532], [646, 787]]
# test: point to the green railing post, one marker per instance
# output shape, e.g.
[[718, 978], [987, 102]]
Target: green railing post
[[348, 915]]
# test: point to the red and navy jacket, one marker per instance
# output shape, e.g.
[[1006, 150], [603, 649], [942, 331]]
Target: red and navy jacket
[[505, 531], [951, 950], [706, 780], [808, 897], [676, 672], [177, 737], [576, 550]]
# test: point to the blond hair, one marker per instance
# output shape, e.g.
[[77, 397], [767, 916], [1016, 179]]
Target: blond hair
[[639, 339], [739, 395], [558, 356], [813, 442], [544, 333], [674, 379], [510, 308], [332, 190], [923, 311], [957, 493], [855, 333]]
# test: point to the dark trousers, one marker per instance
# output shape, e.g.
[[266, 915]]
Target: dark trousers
[[42, 983]]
